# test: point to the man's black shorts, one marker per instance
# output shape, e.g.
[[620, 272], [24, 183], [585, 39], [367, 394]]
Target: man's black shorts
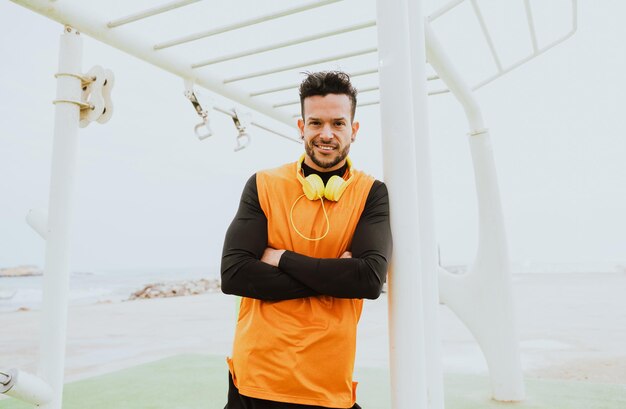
[[238, 401]]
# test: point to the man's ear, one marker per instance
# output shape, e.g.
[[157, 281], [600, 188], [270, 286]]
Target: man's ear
[[355, 129], [301, 127]]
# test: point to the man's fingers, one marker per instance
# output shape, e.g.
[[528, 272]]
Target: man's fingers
[[346, 254]]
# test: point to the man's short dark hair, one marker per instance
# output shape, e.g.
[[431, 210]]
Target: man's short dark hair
[[327, 82]]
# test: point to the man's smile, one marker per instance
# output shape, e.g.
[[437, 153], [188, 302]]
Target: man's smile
[[325, 148]]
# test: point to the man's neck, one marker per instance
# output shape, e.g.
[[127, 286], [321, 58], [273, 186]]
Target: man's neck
[[325, 175]]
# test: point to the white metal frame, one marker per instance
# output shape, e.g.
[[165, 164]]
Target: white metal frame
[[404, 40]]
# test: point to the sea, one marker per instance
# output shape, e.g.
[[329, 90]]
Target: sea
[[92, 287], [113, 286]]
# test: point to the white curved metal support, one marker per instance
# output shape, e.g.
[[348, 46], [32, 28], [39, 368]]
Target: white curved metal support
[[57, 264], [483, 298], [25, 387], [38, 220]]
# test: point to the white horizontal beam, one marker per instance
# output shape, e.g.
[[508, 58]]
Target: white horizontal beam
[[359, 105], [295, 86], [284, 44], [275, 89], [87, 23], [242, 24], [365, 104], [364, 72], [300, 65], [294, 101], [150, 12]]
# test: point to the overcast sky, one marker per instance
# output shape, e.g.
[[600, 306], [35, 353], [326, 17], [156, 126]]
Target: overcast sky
[[150, 195]]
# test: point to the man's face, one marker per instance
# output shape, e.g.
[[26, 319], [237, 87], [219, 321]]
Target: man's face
[[327, 131]]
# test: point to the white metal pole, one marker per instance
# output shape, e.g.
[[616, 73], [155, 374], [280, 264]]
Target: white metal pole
[[406, 321], [57, 267], [425, 207]]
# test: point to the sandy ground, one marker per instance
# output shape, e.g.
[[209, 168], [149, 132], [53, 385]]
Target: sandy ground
[[571, 326]]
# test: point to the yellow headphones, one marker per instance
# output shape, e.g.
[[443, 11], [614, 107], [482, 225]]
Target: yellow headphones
[[314, 189], [313, 186]]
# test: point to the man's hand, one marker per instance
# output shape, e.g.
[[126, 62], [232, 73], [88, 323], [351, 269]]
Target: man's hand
[[346, 254], [272, 256]]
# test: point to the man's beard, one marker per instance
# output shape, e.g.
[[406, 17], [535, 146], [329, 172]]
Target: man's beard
[[308, 148]]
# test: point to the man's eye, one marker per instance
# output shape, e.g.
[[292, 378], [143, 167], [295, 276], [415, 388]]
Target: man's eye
[[339, 123]]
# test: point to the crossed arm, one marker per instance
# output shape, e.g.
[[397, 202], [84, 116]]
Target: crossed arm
[[251, 269]]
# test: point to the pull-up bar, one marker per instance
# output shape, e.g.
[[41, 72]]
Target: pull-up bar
[[294, 86], [294, 101], [284, 44], [150, 12], [301, 65], [360, 90], [242, 24]]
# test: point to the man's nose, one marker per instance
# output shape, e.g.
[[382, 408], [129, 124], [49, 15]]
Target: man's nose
[[326, 132]]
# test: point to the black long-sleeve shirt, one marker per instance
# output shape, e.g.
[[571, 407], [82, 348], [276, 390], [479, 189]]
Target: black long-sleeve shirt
[[299, 276]]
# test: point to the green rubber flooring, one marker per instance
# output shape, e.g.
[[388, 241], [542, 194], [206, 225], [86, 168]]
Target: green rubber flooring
[[200, 381]]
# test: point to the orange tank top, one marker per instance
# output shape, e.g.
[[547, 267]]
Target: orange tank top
[[301, 351]]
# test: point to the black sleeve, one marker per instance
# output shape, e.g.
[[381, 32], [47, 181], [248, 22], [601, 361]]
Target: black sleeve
[[243, 272], [361, 276]]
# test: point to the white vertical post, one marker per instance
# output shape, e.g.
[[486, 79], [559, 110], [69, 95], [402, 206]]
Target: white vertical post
[[57, 267], [406, 319], [425, 207]]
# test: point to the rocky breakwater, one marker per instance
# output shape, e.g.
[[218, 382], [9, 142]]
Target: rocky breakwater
[[177, 289], [20, 271]]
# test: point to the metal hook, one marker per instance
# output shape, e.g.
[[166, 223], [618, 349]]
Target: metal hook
[[203, 113], [241, 121], [242, 135]]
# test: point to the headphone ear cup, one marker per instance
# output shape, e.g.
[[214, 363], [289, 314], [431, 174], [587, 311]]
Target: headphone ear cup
[[334, 188], [313, 187]]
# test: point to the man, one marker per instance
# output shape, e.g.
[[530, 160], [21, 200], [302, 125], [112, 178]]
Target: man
[[310, 240]]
